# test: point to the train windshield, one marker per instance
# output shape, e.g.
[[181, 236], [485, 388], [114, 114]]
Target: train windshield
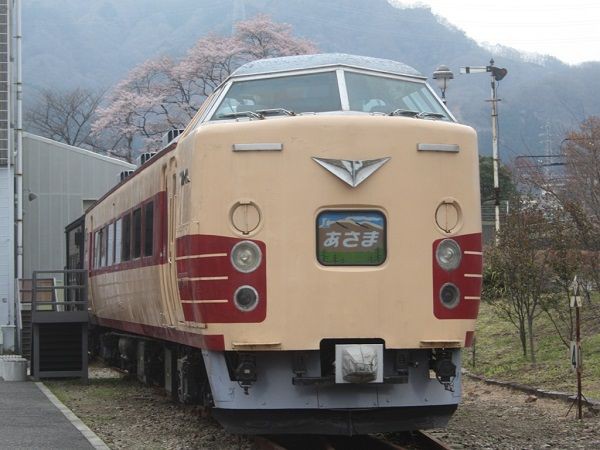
[[316, 92], [319, 92], [372, 93]]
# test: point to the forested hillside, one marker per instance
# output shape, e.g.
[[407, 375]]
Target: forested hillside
[[70, 43]]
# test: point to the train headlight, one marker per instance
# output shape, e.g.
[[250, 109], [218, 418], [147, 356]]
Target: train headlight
[[449, 295], [245, 298], [246, 256], [448, 254]]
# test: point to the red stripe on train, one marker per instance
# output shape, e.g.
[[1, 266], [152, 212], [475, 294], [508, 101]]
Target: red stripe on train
[[207, 280], [214, 266], [467, 277], [202, 341]]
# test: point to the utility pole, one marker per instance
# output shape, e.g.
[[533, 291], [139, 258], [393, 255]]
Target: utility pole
[[579, 368], [497, 75], [575, 351], [547, 142]]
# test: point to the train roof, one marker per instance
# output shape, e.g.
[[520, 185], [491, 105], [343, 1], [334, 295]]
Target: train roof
[[303, 62]]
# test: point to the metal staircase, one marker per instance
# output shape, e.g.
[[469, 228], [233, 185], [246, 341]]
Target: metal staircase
[[25, 297], [59, 324]]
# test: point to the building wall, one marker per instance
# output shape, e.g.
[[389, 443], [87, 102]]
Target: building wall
[[61, 178], [7, 258]]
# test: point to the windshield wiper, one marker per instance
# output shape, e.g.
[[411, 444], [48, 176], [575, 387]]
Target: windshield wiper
[[430, 115], [417, 114], [275, 111], [250, 114], [404, 112]]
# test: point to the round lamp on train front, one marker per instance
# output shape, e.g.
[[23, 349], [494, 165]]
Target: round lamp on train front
[[246, 256], [442, 75]]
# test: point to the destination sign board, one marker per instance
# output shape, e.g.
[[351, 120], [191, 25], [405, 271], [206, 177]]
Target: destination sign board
[[351, 238]]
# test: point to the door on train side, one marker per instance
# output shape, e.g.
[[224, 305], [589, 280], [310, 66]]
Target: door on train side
[[75, 240], [172, 300]]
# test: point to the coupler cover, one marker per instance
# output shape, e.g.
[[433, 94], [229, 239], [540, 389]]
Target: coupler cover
[[359, 363]]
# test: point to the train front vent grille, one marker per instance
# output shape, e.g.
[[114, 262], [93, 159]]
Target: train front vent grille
[[60, 347]]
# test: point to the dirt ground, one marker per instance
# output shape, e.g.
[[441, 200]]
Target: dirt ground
[[127, 414], [492, 417]]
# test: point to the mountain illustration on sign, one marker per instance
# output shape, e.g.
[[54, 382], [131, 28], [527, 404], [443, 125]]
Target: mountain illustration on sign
[[351, 239]]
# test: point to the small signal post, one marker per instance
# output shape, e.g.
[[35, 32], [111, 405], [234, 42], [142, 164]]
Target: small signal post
[[575, 348]]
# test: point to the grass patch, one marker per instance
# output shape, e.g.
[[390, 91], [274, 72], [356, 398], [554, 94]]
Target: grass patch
[[104, 389], [498, 353]]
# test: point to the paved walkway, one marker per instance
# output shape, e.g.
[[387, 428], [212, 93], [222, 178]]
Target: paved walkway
[[32, 418]]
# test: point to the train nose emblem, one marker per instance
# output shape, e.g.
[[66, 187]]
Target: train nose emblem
[[352, 172]]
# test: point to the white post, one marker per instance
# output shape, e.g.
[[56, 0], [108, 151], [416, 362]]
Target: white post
[[497, 75], [495, 157]]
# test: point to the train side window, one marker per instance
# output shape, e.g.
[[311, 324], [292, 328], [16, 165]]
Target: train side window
[[118, 228], [126, 241], [148, 228], [137, 233], [103, 246], [96, 249], [110, 237]]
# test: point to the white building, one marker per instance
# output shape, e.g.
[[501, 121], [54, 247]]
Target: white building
[[45, 183], [59, 182]]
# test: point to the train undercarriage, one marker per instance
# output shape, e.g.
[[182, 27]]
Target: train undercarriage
[[295, 391]]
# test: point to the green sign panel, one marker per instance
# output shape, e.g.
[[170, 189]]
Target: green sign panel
[[351, 238]]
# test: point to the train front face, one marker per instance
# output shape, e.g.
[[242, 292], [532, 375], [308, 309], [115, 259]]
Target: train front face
[[343, 205]]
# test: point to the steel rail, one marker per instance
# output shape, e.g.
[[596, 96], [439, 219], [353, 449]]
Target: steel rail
[[418, 440], [430, 442]]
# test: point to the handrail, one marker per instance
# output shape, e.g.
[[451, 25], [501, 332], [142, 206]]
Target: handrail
[[53, 288], [61, 271], [79, 280]]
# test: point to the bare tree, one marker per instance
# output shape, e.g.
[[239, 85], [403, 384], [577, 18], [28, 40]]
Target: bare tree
[[565, 260], [582, 188], [576, 191], [570, 201], [65, 116], [517, 274]]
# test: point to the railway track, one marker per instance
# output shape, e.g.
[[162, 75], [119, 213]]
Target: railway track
[[409, 440], [417, 440]]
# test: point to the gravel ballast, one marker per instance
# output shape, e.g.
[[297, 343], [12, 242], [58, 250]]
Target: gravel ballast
[[127, 414], [493, 417]]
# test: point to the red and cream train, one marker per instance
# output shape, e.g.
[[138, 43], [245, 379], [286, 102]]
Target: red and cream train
[[307, 256]]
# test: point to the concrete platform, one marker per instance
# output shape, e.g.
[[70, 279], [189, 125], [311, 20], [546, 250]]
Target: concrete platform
[[31, 417]]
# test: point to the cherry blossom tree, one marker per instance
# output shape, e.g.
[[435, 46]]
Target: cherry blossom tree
[[262, 38], [210, 61], [161, 94], [136, 107]]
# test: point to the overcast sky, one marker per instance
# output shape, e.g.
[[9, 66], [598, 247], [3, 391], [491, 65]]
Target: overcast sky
[[568, 30]]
